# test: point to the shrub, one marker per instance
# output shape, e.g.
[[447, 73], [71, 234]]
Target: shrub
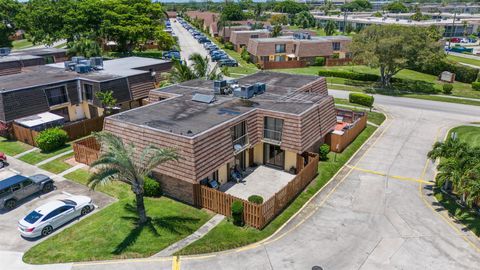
[[256, 199], [228, 45], [361, 99], [237, 213], [245, 56], [447, 88], [319, 61], [463, 73], [414, 86], [349, 75], [323, 151], [151, 187], [51, 139], [476, 86]]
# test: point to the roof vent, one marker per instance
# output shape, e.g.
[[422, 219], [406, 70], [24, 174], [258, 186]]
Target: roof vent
[[202, 98]]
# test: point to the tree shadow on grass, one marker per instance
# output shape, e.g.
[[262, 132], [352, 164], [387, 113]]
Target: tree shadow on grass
[[171, 224]]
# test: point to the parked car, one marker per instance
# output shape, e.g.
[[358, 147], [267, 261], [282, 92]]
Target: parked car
[[3, 160], [52, 215], [228, 62], [219, 57], [17, 187]]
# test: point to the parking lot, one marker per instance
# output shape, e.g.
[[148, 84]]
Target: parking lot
[[10, 239]]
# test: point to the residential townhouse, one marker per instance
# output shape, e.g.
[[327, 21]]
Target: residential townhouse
[[297, 51], [214, 134], [72, 95], [240, 39], [15, 61]]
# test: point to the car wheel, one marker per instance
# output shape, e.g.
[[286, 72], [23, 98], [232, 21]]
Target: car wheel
[[47, 187], [85, 210], [2, 164], [47, 230], [10, 204]]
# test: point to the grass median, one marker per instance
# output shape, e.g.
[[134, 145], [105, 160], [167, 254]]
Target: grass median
[[13, 147], [39, 156], [227, 236]]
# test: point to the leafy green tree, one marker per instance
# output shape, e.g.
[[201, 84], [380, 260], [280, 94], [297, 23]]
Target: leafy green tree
[[118, 163], [279, 19], [277, 30], [199, 64], [8, 11], [349, 28], [232, 12], [107, 100], [128, 22], [392, 48], [330, 28], [304, 19], [396, 7], [291, 7], [327, 7], [257, 11], [181, 72], [84, 47], [164, 40], [357, 5]]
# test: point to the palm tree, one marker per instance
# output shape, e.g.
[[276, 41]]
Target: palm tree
[[472, 189], [181, 72], [199, 64], [84, 47], [117, 163]]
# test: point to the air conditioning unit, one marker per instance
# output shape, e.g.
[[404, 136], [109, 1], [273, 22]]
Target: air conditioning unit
[[96, 62], [260, 88], [69, 65], [219, 86], [77, 59], [5, 51], [245, 91], [81, 68]]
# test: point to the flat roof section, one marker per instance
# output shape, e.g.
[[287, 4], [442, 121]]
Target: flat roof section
[[183, 116]]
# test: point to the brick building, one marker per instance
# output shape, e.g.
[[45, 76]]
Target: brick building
[[215, 133], [295, 51], [240, 39], [15, 61]]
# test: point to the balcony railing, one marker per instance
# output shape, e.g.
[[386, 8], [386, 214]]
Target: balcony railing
[[240, 143], [272, 135]]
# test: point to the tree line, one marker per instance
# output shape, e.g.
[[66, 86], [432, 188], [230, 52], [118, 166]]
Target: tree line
[[128, 23]]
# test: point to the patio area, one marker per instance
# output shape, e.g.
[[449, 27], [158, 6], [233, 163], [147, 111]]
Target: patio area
[[262, 180]]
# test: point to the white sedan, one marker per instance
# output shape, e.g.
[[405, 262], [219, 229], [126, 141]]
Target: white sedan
[[50, 216]]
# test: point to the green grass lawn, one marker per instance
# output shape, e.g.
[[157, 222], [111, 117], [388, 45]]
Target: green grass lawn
[[244, 68], [117, 190], [318, 31], [21, 44], [465, 60], [38, 156], [468, 134], [227, 236], [112, 233], [468, 217], [58, 165], [13, 147]]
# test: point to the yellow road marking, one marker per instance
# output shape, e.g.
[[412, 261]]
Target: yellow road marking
[[390, 176], [176, 263]]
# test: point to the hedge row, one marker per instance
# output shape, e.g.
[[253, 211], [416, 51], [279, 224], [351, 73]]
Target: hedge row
[[361, 99], [476, 86], [349, 75], [463, 73]]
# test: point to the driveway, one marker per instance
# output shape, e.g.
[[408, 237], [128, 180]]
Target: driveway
[[188, 44], [10, 239]]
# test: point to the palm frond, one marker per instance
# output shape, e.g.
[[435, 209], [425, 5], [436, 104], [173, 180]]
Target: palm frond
[[103, 176]]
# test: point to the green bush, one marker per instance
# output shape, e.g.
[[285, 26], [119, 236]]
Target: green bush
[[319, 61], [463, 73], [237, 213], [361, 99], [349, 75], [414, 86], [447, 88], [151, 187], [476, 86], [228, 45], [256, 199], [51, 139], [323, 151], [245, 56]]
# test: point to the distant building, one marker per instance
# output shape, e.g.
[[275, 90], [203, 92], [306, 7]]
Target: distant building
[[240, 39], [295, 51], [16, 60], [72, 95]]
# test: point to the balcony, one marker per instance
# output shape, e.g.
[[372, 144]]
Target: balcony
[[272, 136], [240, 144]]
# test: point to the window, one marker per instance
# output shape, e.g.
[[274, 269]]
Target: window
[[16, 187], [27, 183], [279, 58], [88, 92], [279, 48], [62, 112], [239, 136], [273, 128], [336, 46], [253, 36], [264, 58], [57, 212], [56, 96], [49, 59], [33, 217]]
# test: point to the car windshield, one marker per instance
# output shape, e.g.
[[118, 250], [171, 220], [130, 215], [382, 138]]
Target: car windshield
[[33, 217], [69, 202]]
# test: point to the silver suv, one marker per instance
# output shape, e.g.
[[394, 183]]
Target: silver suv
[[18, 187]]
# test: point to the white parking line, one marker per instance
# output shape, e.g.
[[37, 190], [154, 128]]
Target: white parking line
[[66, 193]]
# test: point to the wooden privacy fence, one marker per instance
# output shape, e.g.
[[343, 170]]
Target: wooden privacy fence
[[74, 130], [86, 150], [257, 215], [339, 142], [283, 64]]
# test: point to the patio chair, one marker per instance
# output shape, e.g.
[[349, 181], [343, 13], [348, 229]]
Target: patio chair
[[236, 175]]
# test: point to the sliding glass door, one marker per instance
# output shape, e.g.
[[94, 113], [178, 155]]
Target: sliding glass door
[[273, 155]]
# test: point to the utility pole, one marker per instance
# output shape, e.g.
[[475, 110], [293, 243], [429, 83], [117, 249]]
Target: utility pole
[[453, 30], [344, 20]]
